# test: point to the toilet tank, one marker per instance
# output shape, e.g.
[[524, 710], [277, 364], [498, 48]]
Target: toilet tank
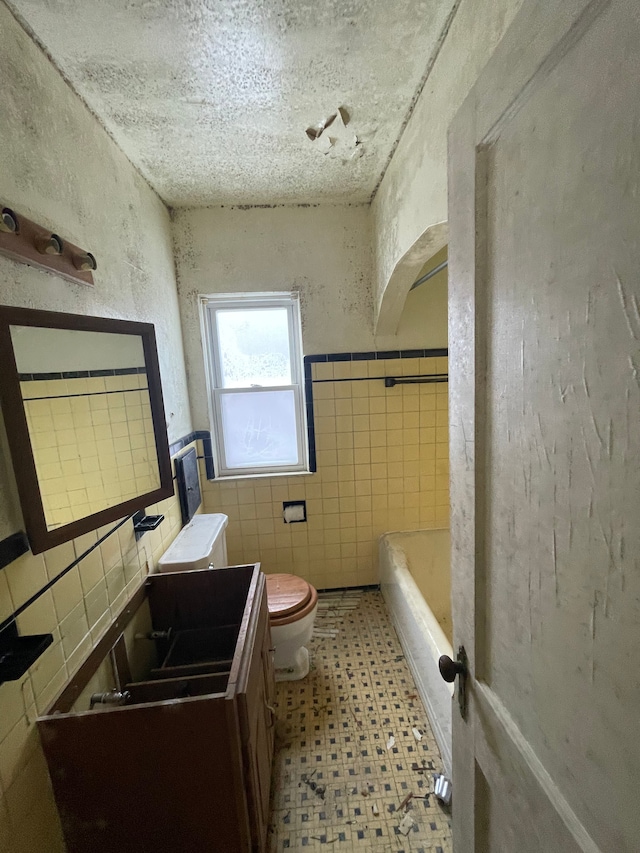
[[199, 544]]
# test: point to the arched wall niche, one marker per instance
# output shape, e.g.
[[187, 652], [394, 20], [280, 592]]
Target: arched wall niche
[[406, 271]]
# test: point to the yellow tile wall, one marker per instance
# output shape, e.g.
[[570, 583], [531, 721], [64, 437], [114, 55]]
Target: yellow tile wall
[[383, 464], [76, 611], [92, 448]]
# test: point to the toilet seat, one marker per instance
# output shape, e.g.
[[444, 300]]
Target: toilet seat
[[289, 598]]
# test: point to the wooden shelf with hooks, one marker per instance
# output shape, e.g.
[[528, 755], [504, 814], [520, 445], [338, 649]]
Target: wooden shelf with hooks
[[27, 244]]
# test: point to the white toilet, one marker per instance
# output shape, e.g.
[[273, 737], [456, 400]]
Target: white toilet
[[293, 604], [292, 601]]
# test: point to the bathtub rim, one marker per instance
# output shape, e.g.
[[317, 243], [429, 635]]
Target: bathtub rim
[[438, 639], [404, 599]]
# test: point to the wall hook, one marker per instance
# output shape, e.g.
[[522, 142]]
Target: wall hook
[[49, 244], [8, 221], [86, 261]]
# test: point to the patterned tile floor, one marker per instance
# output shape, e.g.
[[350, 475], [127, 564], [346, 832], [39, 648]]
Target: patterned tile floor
[[339, 783]]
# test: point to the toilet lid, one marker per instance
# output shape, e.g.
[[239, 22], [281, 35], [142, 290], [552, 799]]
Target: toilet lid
[[286, 594]]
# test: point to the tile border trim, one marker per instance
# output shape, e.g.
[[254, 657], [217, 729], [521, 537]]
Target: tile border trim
[[81, 374], [438, 352], [350, 356], [204, 435]]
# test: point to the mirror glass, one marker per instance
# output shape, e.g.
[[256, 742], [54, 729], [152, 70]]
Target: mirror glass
[[88, 410]]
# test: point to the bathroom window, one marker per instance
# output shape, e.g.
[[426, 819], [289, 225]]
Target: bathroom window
[[253, 351]]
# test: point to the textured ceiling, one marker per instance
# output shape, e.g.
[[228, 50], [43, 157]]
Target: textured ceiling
[[211, 99]]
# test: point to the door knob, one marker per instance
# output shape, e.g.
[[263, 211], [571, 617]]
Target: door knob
[[450, 668]]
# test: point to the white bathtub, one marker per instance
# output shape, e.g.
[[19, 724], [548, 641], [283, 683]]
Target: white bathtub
[[415, 577]]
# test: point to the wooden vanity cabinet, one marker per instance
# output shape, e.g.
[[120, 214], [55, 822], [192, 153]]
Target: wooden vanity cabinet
[[185, 765]]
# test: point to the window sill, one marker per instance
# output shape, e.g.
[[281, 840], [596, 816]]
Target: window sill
[[227, 478]]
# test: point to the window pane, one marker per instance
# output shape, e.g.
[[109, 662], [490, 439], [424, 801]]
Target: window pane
[[259, 428], [254, 347]]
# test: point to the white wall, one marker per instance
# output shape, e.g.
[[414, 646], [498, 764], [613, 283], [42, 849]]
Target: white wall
[[412, 197], [60, 168]]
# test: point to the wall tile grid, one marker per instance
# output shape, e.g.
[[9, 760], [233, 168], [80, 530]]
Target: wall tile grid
[[382, 464], [106, 418], [76, 611]]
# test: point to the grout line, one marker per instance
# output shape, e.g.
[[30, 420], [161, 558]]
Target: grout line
[[10, 619]]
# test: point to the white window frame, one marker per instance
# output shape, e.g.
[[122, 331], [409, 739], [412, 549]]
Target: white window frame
[[209, 305]]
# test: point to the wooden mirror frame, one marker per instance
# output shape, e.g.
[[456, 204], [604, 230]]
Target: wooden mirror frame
[[13, 411]]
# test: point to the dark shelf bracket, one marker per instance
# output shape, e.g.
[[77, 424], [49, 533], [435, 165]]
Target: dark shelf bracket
[[144, 523], [17, 653], [12, 547]]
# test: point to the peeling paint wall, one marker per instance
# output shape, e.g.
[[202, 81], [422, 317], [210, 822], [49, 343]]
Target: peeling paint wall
[[413, 194], [324, 252], [59, 167]]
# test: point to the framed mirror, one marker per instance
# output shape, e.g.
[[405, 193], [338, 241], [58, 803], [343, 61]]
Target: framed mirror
[[82, 406]]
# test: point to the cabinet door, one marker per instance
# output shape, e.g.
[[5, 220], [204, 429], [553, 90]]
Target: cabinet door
[[257, 719], [269, 676], [155, 778], [265, 733]]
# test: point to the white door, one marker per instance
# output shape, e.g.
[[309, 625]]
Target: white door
[[544, 336]]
